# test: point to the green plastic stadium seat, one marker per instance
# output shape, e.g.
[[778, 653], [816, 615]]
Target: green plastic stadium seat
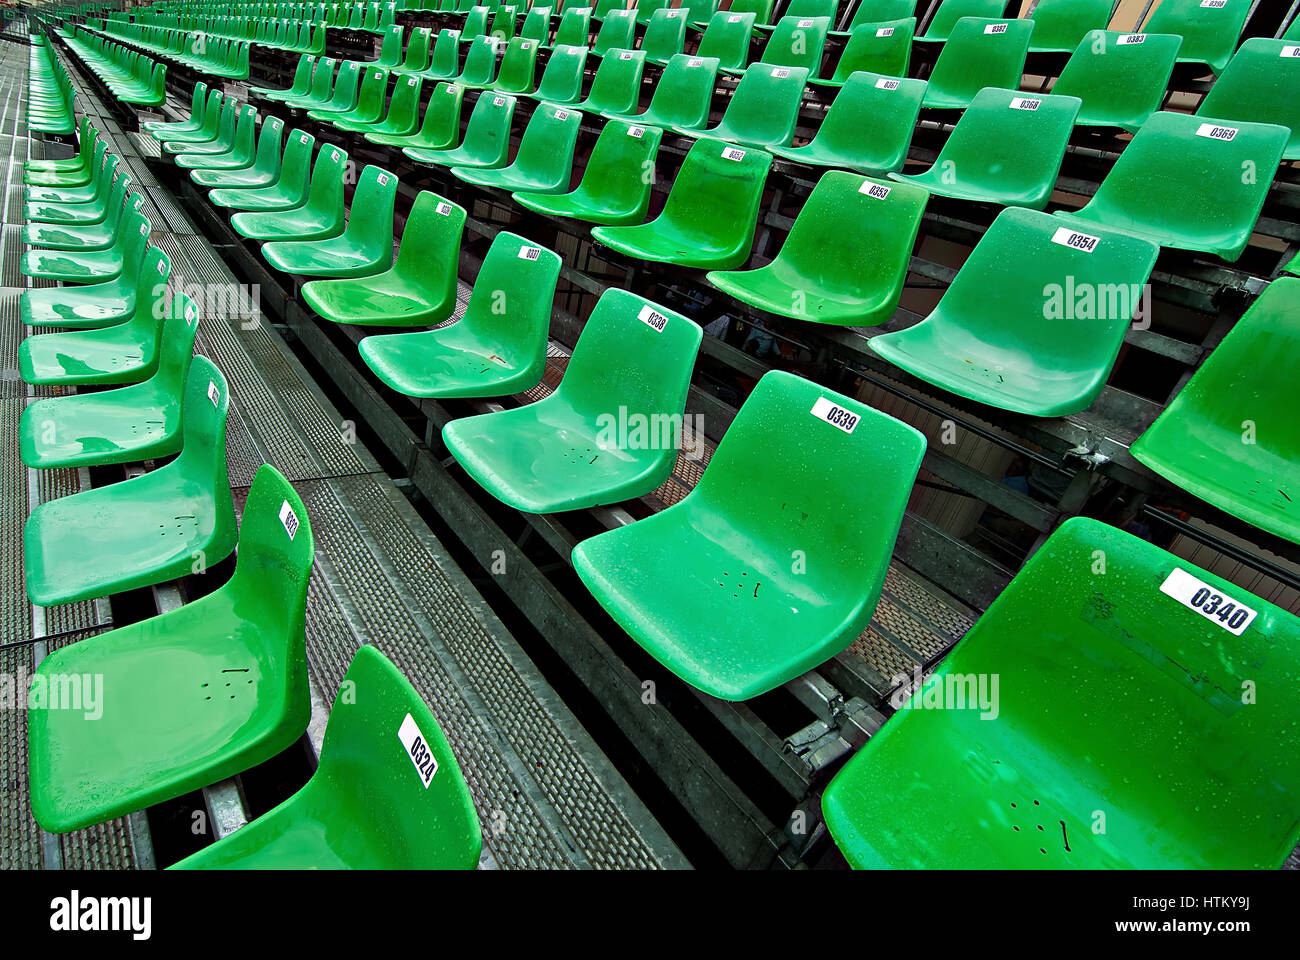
[[317, 219], [562, 78], [1007, 148], [87, 236], [884, 48], [417, 53], [1209, 30], [868, 127], [419, 289], [94, 305], [322, 83], [487, 137], [752, 510], [1014, 786], [682, 97], [480, 67], [503, 22], [845, 258], [342, 97], [1040, 340], [124, 353], [207, 131], [617, 32], [444, 62], [518, 68], [761, 9], [727, 38], [1059, 25], [1202, 203], [72, 171], [82, 209], [390, 48], [73, 190], [614, 188], [264, 169], [402, 116], [145, 530], [763, 109], [537, 25], [287, 191], [1120, 77], [878, 12], [203, 692], [364, 248], [950, 12], [544, 161], [665, 35], [574, 29], [709, 218], [978, 54], [1227, 436], [368, 104], [301, 85], [616, 87], [795, 42], [497, 348], [439, 128], [138, 422], [198, 108], [220, 143], [1260, 85], [562, 452], [242, 148], [82, 266], [377, 800]]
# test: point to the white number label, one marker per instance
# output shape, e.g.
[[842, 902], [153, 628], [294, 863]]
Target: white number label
[[656, 321], [561, 114], [835, 415], [334, 155], [1079, 241], [875, 190], [1291, 51], [1023, 103], [695, 63], [805, 23], [625, 55], [637, 132], [883, 84], [383, 179], [885, 32], [289, 519], [144, 229], [444, 209], [996, 28], [1130, 38], [1210, 603], [1214, 4], [731, 153], [1215, 132], [780, 73], [426, 765], [498, 101], [303, 138], [529, 253], [734, 18], [213, 393]]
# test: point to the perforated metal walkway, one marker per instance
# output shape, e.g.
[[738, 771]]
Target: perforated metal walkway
[[546, 795]]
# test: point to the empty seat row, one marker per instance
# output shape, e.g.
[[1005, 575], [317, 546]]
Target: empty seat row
[[215, 57], [131, 77], [49, 91]]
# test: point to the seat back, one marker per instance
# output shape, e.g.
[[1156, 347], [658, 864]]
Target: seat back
[[881, 11], [575, 27], [884, 48], [798, 42], [949, 12], [546, 147], [1205, 194], [665, 34], [403, 108], [616, 87], [417, 50], [1209, 31], [981, 53], [295, 165], [441, 123], [617, 32], [176, 349], [727, 38], [322, 81], [480, 61], [1120, 77], [765, 105], [537, 25], [371, 96], [370, 216], [615, 177], [854, 234], [325, 194], [518, 67], [150, 280], [390, 48], [476, 23], [873, 117], [684, 93], [202, 459], [761, 9], [656, 350], [1261, 84], [718, 191], [434, 225], [562, 78], [489, 125], [1059, 25], [510, 304], [386, 760], [346, 84]]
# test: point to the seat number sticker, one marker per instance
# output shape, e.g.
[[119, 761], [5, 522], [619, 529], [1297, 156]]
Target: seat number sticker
[[875, 190], [780, 73], [883, 84], [498, 101], [334, 155], [303, 138], [289, 519], [625, 55], [652, 319], [1214, 132], [671, 14], [731, 153], [885, 32], [996, 28], [1291, 51], [162, 268], [383, 179], [529, 253], [1130, 38], [214, 394], [1024, 103], [734, 18], [835, 415], [444, 209], [1079, 241], [144, 229], [637, 132], [1208, 602], [426, 765], [1214, 4], [805, 23], [561, 114], [695, 63]]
